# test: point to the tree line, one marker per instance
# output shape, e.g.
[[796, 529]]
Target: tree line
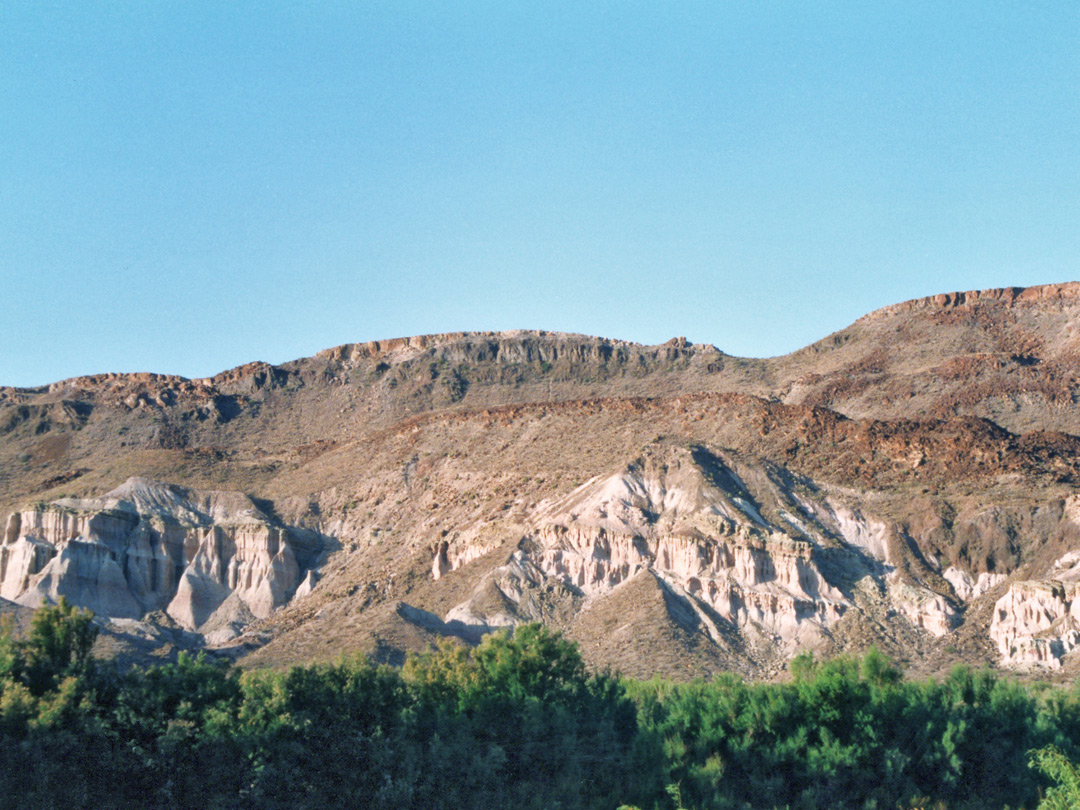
[[517, 722]]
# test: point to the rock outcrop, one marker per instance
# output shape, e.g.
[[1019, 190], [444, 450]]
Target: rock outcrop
[[212, 561], [740, 558], [1037, 623], [967, 587]]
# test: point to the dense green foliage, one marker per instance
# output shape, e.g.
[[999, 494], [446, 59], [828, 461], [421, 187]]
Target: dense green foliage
[[517, 722], [850, 733]]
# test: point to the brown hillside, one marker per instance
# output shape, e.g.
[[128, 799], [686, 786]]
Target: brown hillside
[[932, 436]]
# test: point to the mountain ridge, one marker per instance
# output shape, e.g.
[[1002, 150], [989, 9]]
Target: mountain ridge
[[931, 445], [389, 346]]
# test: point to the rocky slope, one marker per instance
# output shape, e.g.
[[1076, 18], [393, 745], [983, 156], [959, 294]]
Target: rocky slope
[[211, 561], [909, 481]]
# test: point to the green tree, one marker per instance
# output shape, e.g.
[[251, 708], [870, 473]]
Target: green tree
[[59, 644], [1065, 794], [519, 722], [54, 744], [323, 736]]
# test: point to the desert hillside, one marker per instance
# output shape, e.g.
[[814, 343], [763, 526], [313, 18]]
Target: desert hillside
[[909, 481]]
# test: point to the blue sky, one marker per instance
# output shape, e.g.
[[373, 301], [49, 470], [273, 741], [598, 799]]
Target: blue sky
[[189, 186]]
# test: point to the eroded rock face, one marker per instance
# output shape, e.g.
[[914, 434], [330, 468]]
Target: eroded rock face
[[968, 587], [149, 546], [923, 607], [740, 548], [1037, 623], [767, 581], [20, 559]]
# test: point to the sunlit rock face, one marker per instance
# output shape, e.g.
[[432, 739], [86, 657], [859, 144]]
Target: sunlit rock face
[[741, 558], [148, 546], [1037, 623], [923, 607], [968, 587], [765, 580]]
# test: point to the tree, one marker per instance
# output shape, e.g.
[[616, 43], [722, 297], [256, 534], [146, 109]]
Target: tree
[[1065, 795], [519, 722], [59, 644], [57, 647]]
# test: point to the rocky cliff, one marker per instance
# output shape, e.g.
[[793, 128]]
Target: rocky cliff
[[211, 561]]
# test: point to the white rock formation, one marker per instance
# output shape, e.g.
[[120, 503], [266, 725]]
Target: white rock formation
[[968, 587], [923, 608], [307, 585], [865, 533], [149, 546], [736, 543], [691, 521], [768, 581], [1036, 623], [20, 559], [87, 574], [1067, 569], [505, 588]]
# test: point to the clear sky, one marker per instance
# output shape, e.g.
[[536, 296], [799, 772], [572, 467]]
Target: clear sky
[[188, 186]]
